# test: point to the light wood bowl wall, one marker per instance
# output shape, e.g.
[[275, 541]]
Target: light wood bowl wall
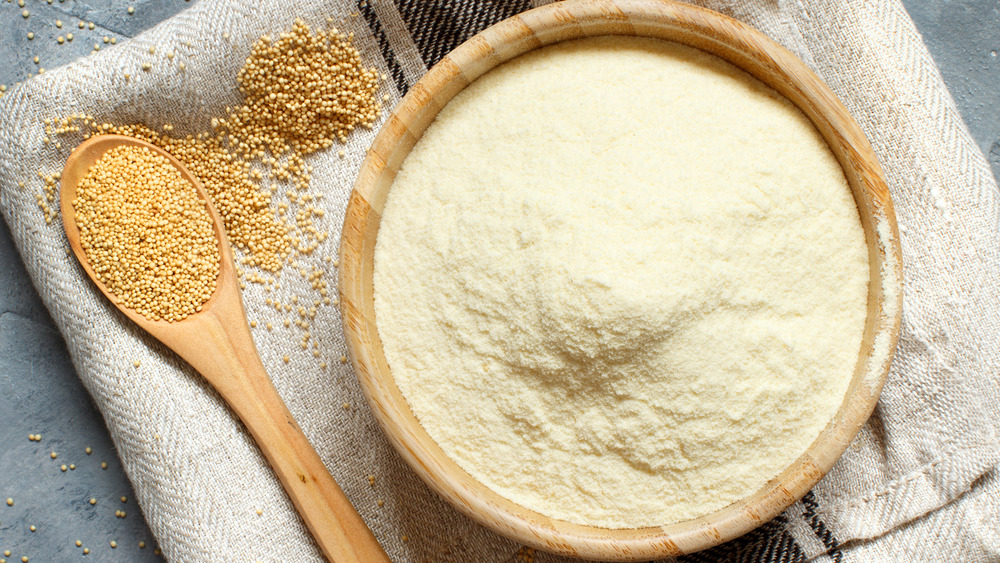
[[699, 28]]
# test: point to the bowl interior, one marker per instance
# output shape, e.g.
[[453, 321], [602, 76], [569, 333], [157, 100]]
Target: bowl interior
[[695, 27]]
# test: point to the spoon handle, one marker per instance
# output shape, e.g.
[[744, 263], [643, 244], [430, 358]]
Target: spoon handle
[[235, 370], [336, 526]]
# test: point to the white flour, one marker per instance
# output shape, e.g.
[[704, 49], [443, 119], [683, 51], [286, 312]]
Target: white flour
[[621, 282]]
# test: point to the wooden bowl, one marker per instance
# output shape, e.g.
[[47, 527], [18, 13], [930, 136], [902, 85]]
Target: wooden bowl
[[695, 27]]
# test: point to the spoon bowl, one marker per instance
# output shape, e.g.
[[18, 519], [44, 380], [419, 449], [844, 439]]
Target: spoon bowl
[[225, 299], [217, 342]]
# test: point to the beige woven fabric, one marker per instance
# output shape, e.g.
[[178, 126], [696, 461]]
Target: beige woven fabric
[[200, 480]]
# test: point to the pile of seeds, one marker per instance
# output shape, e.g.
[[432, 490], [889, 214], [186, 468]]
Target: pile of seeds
[[315, 106], [304, 90], [147, 234]]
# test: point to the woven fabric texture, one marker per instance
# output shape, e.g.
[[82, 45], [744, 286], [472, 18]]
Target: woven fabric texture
[[917, 484]]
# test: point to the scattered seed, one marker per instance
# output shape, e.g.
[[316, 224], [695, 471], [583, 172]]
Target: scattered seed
[[53, 455], [131, 10], [114, 544], [142, 545], [93, 501], [78, 543], [104, 465], [88, 450]]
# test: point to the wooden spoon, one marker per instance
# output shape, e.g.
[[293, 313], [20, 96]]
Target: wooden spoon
[[217, 343]]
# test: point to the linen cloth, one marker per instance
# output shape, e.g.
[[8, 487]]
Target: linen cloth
[[919, 483]]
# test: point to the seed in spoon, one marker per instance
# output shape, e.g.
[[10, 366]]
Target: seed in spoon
[[147, 234]]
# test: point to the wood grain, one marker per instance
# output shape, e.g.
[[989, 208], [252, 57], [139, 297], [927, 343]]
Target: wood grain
[[699, 28], [218, 344]]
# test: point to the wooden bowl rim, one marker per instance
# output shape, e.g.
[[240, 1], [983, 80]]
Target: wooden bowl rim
[[716, 34]]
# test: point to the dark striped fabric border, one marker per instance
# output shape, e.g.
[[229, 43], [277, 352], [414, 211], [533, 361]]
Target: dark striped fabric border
[[771, 543], [438, 26], [395, 70], [819, 528]]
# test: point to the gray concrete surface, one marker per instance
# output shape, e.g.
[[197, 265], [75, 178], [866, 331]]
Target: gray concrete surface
[[963, 36], [39, 390]]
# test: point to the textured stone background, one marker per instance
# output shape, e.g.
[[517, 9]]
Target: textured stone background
[[39, 390]]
